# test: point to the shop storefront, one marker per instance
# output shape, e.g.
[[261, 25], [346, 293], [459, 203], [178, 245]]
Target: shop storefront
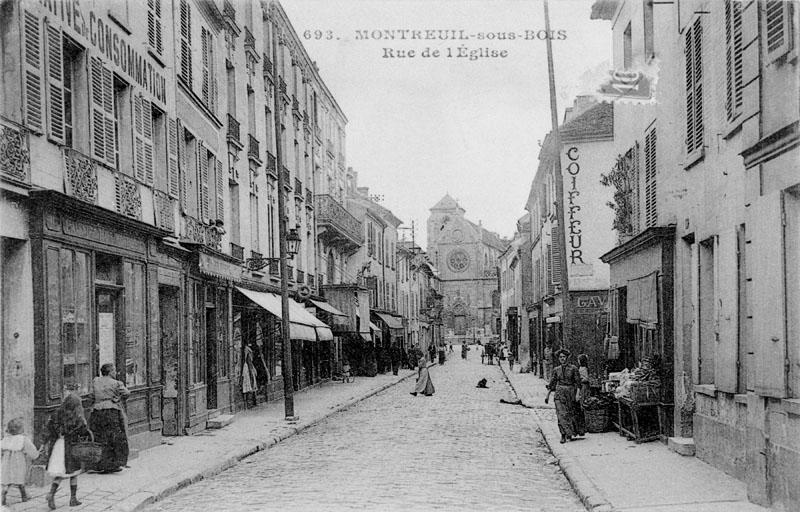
[[96, 295], [391, 331]]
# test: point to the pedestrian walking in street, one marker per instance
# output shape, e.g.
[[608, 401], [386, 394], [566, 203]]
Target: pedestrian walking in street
[[483, 354], [108, 421], [510, 362], [464, 350], [450, 349], [64, 429], [431, 352], [17, 453], [565, 383], [395, 357], [249, 380], [424, 384], [441, 355], [547, 357]]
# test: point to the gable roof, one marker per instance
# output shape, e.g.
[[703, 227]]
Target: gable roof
[[447, 203], [596, 123]]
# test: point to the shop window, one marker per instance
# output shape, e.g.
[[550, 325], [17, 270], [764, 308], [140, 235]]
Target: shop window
[[68, 322], [197, 341], [135, 324]]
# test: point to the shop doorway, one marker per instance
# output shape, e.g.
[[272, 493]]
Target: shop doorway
[[169, 319], [211, 355], [108, 328]]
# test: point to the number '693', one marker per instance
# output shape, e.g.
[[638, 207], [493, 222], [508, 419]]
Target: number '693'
[[318, 34]]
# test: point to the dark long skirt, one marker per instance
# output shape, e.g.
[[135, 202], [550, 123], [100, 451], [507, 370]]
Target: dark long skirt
[[108, 428], [566, 411]]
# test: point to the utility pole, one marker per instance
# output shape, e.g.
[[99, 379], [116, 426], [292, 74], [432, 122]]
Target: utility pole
[[566, 306], [288, 387]]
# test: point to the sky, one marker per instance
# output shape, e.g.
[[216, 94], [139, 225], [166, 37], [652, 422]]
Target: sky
[[423, 126]]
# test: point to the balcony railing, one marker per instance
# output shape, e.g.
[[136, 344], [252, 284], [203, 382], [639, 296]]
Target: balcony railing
[[287, 179], [233, 131], [301, 276], [272, 165], [267, 66], [298, 188], [237, 251], [296, 107], [282, 86], [319, 280], [249, 41], [309, 199], [275, 267], [80, 171], [252, 148], [334, 217]]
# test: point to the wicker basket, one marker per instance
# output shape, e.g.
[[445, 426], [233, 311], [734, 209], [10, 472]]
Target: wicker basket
[[596, 420], [87, 453]]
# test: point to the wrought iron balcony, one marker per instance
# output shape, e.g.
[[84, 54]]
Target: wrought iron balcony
[[228, 11], [282, 89], [336, 225], [309, 198], [296, 107], [252, 149], [306, 123], [233, 131], [298, 188], [267, 67], [272, 165], [275, 267], [287, 179], [249, 41], [237, 251], [80, 171]]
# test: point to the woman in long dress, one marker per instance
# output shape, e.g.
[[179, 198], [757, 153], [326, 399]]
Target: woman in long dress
[[108, 420], [424, 383], [249, 380], [565, 382]]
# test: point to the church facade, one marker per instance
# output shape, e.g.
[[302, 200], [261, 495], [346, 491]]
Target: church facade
[[466, 256]]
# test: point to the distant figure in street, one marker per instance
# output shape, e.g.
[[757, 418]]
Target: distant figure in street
[[510, 362], [548, 360], [18, 452], [565, 382], [481, 384], [108, 421], [483, 354], [450, 348], [413, 356], [249, 379], [441, 355], [64, 428], [464, 350], [431, 352], [424, 383], [490, 353], [395, 356]]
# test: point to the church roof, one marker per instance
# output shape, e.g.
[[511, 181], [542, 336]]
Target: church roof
[[447, 203]]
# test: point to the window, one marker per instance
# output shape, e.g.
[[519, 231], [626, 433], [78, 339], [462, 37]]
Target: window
[[189, 192], [68, 321], [254, 223], [649, 51], [706, 284], [733, 59], [72, 55], [135, 323], [154, 26], [271, 219], [693, 51], [158, 121], [208, 91], [627, 47], [650, 195]]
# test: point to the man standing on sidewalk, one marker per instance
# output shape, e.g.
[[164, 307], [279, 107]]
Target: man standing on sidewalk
[[395, 356]]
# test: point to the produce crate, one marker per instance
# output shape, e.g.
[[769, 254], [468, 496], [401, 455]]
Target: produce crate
[[596, 420], [644, 392]]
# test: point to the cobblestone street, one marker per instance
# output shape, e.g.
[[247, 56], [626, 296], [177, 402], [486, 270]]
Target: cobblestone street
[[460, 449]]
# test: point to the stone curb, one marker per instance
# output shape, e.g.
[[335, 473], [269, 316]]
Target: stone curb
[[139, 500], [590, 495]]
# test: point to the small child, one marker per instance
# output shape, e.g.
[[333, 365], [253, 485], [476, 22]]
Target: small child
[[17, 452]]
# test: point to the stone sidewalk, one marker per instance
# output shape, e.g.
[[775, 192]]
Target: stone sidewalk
[[181, 461], [610, 473]]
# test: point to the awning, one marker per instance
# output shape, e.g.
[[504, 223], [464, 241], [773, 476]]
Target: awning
[[392, 322], [302, 324], [327, 307], [642, 299], [374, 327], [366, 336]]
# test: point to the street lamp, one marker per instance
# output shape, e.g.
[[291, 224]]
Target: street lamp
[[292, 243]]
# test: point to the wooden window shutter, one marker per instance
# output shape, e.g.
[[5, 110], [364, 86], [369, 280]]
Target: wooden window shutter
[[109, 121], [733, 59], [220, 191], [769, 294], [204, 43], [186, 42], [202, 165], [183, 168], [147, 135], [97, 115], [154, 25], [725, 371], [33, 93], [688, 56], [213, 92], [555, 255], [651, 214], [138, 140], [776, 29], [697, 66], [173, 186], [55, 84]]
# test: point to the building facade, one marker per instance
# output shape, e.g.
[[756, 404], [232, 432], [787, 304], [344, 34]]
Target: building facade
[[722, 229], [466, 255]]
